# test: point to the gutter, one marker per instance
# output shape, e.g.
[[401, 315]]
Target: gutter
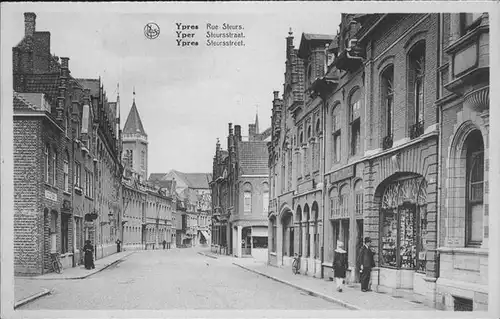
[[439, 151], [375, 25]]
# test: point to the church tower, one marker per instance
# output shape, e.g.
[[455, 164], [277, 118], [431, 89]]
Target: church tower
[[135, 145]]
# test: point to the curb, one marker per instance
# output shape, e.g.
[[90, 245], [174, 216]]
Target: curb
[[90, 273], [203, 254], [31, 298], [310, 292]]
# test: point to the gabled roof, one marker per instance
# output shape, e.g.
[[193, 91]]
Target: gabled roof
[[253, 158], [156, 176], [195, 180], [133, 125], [318, 39], [31, 101], [91, 84]]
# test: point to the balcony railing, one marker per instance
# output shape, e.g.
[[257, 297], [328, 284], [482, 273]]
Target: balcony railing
[[416, 129], [387, 142]]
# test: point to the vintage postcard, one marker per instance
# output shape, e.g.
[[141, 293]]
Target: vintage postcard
[[276, 159]]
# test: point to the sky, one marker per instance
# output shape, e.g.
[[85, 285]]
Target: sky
[[186, 96]]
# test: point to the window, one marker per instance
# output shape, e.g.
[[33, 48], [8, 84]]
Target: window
[[299, 228], [86, 183], [416, 79], [273, 234], [358, 197], [66, 172], [354, 120], [46, 161], [387, 91], [336, 147], [259, 242], [78, 130], [143, 160], [265, 199], [400, 229], [78, 174], [54, 168], [308, 233], [475, 189], [64, 234], [247, 201], [469, 21]]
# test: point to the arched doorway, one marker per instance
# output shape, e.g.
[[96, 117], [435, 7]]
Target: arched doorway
[[403, 210], [288, 234], [315, 215], [307, 218], [298, 229]]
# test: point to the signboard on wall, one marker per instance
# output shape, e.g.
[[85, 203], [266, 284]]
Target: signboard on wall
[[51, 195], [341, 174]]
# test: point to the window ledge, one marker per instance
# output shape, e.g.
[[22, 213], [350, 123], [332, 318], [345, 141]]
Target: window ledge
[[66, 193], [272, 254], [463, 250]]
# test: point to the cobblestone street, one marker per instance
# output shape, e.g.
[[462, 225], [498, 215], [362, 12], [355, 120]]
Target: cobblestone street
[[175, 279]]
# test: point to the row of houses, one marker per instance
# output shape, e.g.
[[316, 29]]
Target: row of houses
[[78, 176], [382, 131]]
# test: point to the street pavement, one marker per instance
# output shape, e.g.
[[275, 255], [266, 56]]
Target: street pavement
[[177, 279]]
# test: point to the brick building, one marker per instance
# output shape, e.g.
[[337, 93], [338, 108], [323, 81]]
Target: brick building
[[390, 167], [240, 193], [48, 104], [57, 118]]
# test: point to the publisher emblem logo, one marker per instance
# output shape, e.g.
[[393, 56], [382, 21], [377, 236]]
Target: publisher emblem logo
[[151, 30]]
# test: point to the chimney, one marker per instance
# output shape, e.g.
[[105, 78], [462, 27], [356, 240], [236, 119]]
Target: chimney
[[237, 132], [29, 23], [276, 95], [230, 128], [251, 132], [289, 43], [64, 63]]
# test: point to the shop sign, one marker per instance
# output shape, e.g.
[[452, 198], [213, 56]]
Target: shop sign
[[51, 195], [344, 173]]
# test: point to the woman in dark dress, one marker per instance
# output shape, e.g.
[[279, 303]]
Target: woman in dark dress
[[89, 255], [340, 265]]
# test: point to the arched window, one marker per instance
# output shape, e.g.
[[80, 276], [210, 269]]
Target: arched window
[[143, 160], [336, 135], [355, 121], [309, 132], [475, 189], [247, 198], [265, 198], [416, 80], [387, 99], [318, 126]]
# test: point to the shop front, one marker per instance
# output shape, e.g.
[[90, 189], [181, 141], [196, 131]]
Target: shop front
[[400, 214]]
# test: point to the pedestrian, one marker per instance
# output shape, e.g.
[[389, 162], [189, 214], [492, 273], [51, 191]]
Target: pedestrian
[[340, 265], [164, 243], [365, 263], [118, 245], [89, 255]]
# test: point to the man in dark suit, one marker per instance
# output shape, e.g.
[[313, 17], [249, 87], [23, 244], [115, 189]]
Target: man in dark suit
[[365, 263]]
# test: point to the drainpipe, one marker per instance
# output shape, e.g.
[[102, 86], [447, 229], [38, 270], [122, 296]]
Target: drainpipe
[[323, 191], [440, 126]]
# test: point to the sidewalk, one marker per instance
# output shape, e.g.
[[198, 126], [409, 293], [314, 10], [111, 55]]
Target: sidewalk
[[27, 289], [79, 272], [351, 298]]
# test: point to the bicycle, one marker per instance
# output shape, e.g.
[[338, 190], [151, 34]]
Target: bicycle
[[296, 264], [56, 263]]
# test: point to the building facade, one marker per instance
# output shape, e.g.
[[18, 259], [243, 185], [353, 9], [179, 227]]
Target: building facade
[[463, 107], [390, 165], [47, 110], [241, 191]]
